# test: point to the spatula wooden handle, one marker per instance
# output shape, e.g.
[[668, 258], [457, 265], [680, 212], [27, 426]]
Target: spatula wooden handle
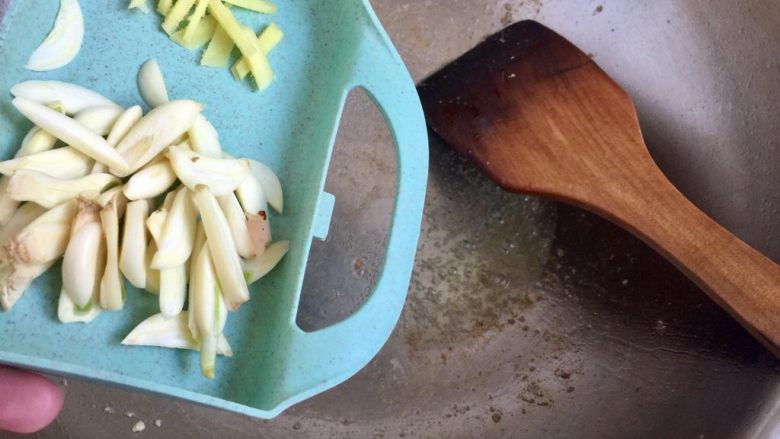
[[740, 279]]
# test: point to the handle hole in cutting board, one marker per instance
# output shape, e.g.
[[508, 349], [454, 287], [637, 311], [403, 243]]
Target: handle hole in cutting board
[[343, 269]]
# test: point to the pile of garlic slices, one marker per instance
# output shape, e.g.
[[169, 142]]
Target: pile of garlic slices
[[92, 203]]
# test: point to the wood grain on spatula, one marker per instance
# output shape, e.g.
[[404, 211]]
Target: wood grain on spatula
[[538, 116]]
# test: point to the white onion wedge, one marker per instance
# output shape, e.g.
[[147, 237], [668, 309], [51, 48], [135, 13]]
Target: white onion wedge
[[152, 134], [85, 256], [204, 138], [152, 85], [71, 132], [223, 250], [221, 176], [178, 235], [74, 98], [259, 231], [15, 278], [63, 163], [209, 310], [68, 312], [44, 239], [258, 267], [50, 191], [272, 188], [169, 333], [132, 258], [237, 221], [63, 42], [152, 180], [112, 291]]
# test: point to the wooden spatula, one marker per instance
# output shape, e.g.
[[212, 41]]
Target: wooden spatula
[[539, 116]]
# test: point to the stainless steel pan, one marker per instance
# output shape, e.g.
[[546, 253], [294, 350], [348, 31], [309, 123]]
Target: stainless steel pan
[[527, 318]]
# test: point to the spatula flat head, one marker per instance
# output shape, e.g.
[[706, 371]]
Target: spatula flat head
[[530, 109]]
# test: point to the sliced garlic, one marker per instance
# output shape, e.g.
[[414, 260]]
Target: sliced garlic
[[200, 239], [204, 138], [259, 230], [15, 278], [272, 188], [152, 85], [152, 275], [99, 120], [50, 191], [84, 258], [221, 176], [209, 310], [152, 180], [112, 291], [36, 140], [119, 129], [7, 204], [158, 129], [123, 124], [63, 42], [69, 312], [65, 163], [44, 239], [74, 98], [169, 333], [71, 132], [237, 221], [173, 290], [178, 235], [250, 194], [223, 250], [132, 258], [258, 267], [24, 215], [140, 5]]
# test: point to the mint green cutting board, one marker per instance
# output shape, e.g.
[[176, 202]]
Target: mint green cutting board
[[330, 47]]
